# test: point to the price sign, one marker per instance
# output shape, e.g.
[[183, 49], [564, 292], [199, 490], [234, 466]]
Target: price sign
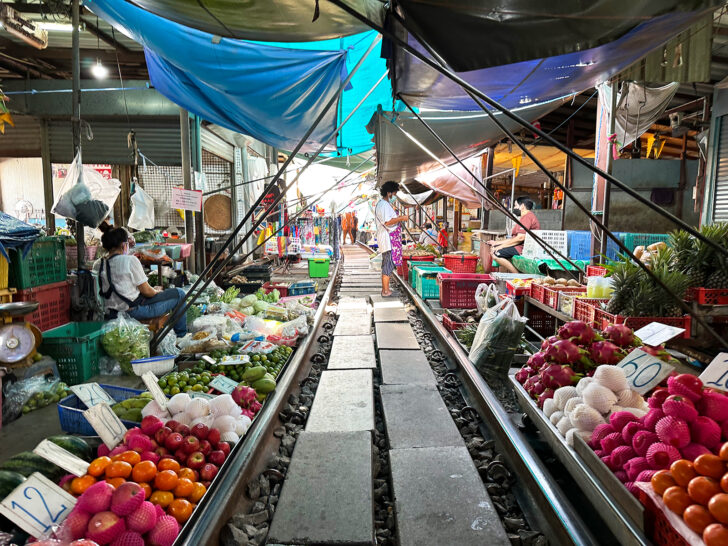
[[187, 199], [234, 360], [92, 394], [223, 384], [209, 360], [37, 504], [59, 456], [644, 371], [655, 333], [716, 374], [150, 380], [106, 424], [204, 395]]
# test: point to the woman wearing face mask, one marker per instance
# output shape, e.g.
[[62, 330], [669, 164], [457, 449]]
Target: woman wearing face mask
[[124, 285], [503, 251], [388, 233]]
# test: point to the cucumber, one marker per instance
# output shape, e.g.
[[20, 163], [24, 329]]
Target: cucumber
[[264, 385], [8, 481], [253, 374], [27, 462], [75, 445]]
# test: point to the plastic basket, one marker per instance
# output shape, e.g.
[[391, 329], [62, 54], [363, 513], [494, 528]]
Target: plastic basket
[[426, 281], [579, 245], [281, 287], [70, 411], [72, 256], [596, 271], [585, 310], [566, 301], [451, 325], [4, 272], [54, 304], [537, 292], [457, 290], [555, 239], [707, 296], [604, 319], [657, 527], [543, 323], [178, 251], [633, 240], [423, 266], [45, 263], [76, 348], [460, 263], [513, 290], [318, 268], [551, 295], [302, 288], [403, 270]]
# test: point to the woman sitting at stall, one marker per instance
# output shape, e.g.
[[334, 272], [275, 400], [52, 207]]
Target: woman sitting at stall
[[124, 285]]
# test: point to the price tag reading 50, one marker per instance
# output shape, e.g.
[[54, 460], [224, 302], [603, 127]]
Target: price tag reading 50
[[644, 371]]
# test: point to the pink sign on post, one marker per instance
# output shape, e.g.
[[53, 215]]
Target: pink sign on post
[[187, 199]]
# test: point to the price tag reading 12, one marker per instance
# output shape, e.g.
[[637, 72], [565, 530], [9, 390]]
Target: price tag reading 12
[[37, 504], [716, 374], [644, 371]]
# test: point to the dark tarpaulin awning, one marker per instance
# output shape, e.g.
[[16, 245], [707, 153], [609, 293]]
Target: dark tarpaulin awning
[[474, 34], [266, 20]]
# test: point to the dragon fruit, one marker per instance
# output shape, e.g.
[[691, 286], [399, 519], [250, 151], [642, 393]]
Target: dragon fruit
[[680, 407], [714, 405], [523, 374], [530, 384], [706, 432], [243, 395], [545, 395], [658, 352], [554, 376], [661, 455], [578, 332], [619, 334], [563, 352], [605, 352], [536, 361], [546, 343], [673, 431]]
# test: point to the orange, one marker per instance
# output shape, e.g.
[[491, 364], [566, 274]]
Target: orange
[[718, 507], [676, 499], [701, 489], [166, 480], [147, 490], [162, 498], [188, 473], [661, 480], [184, 488], [98, 466], [169, 464], [697, 518], [116, 482], [180, 509], [197, 493], [682, 472], [144, 472], [711, 465], [723, 453], [131, 457], [118, 469], [79, 485], [715, 534]]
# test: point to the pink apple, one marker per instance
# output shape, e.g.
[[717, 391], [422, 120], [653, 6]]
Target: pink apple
[[151, 456], [161, 435], [216, 457], [208, 472], [224, 447], [200, 431], [196, 460], [151, 424], [172, 424], [190, 444], [161, 451], [173, 441]]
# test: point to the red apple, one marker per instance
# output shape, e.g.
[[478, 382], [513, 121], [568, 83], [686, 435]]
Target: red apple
[[151, 424], [151, 456], [161, 451], [206, 484], [213, 437], [208, 472], [196, 460], [173, 441], [161, 435], [224, 447], [216, 457], [200, 431], [184, 430], [180, 455], [172, 424], [190, 444]]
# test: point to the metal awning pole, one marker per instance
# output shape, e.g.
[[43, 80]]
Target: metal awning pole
[[184, 129], [76, 116]]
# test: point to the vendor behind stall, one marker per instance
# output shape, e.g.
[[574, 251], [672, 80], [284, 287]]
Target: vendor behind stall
[[124, 285], [505, 250]]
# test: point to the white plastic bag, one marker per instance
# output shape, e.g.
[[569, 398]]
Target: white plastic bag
[[142, 210], [486, 296]]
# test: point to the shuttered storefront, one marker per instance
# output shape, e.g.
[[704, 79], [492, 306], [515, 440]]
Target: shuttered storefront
[[720, 205]]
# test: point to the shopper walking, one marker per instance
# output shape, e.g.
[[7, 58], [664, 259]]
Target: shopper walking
[[388, 233]]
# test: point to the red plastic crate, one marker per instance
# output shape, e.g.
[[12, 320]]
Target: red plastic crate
[[551, 295], [281, 287], [517, 290], [54, 304], [403, 270], [461, 263], [708, 296], [537, 292], [457, 290], [541, 322], [585, 309], [596, 271], [657, 527], [604, 319], [451, 325]]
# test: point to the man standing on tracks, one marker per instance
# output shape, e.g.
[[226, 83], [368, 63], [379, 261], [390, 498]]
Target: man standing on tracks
[[387, 229], [504, 251]]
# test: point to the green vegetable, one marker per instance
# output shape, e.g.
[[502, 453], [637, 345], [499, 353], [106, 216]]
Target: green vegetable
[[276, 294], [248, 310], [193, 312], [248, 300], [260, 306], [126, 341], [230, 294]]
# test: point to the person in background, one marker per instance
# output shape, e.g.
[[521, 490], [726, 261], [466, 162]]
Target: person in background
[[505, 250], [428, 235], [354, 227], [442, 239], [387, 230], [124, 286], [345, 227]]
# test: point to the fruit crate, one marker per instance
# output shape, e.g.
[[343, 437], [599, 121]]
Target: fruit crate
[[302, 288], [70, 411], [517, 291], [585, 310], [457, 290], [543, 323], [657, 526], [451, 325], [281, 287], [45, 263], [460, 263], [707, 296], [426, 281], [579, 243], [567, 301], [76, 348], [403, 270], [54, 304], [318, 268], [551, 295], [633, 240], [596, 271], [604, 319], [178, 251], [423, 265]]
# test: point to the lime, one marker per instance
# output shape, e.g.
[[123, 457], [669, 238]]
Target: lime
[[174, 390], [162, 383], [256, 358], [172, 381]]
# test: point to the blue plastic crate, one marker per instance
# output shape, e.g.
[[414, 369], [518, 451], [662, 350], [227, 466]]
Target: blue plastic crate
[[612, 249], [579, 245], [302, 288], [70, 411]]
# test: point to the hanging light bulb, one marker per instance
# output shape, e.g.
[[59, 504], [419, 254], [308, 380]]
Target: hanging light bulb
[[99, 71]]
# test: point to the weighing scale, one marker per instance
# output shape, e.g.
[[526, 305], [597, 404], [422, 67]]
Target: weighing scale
[[18, 340]]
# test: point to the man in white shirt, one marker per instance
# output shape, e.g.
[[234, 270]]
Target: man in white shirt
[[386, 219], [428, 235]]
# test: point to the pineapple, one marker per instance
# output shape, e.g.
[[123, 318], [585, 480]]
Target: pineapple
[[703, 264], [684, 248], [625, 278]]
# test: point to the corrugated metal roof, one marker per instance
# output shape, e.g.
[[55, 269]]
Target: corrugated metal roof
[[23, 140], [720, 206]]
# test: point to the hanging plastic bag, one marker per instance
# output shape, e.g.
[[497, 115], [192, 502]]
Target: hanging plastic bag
[[30, 394], [142, 210], [126, 339], [486, 296], [497, 339]]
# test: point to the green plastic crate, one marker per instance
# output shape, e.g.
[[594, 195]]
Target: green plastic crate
[[44, 264], [76, 348], [633, 240], [426, 281], [318, 267], [411, 271]]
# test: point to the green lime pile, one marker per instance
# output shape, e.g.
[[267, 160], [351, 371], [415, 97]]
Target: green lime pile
[[131, 408], [274, 361], [192, 380], [42, 399]]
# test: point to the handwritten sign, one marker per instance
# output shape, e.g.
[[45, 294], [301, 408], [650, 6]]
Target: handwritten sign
[[656, 333], [234, 360], [223, 384], [187, 199], [715, 375], [92, 394], [59, 456], [106, 424], [194, 394], [150, 380], [644, 371], [37, 504]]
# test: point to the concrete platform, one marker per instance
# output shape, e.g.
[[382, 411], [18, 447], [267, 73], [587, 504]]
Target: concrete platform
[[344, 402], [352, 352], [390, 314], [405, 368], [416, 416], [357, 292], [440, 499], [327, 497], [395, 335], [353, 323], [348, 303]]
